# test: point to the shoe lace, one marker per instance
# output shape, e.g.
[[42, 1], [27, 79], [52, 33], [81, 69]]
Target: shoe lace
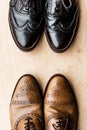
[[29, 125], [29, 6], [57, 6], [60, 124], [34, 6]]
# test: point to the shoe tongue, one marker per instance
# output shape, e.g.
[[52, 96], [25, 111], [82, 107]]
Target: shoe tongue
[[57, 7], [34, 6], [60, 122], [29, 122], [54, 7], [28, 6]]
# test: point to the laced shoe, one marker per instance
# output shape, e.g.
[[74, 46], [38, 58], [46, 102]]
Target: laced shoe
[[26, 105], [61, 20], [26, 22], [60, 108]]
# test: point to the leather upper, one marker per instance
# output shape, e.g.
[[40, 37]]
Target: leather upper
[[60, 108], [26, 21], [61, 18], [26, 105]]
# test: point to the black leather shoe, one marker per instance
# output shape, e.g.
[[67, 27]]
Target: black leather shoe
[[61, 17], [26, 22]]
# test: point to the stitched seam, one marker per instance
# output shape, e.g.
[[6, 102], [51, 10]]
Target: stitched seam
[[24, 102], [26, 25], [59, 103]]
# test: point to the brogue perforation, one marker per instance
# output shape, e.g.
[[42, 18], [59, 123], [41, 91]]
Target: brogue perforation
[[61, 19]]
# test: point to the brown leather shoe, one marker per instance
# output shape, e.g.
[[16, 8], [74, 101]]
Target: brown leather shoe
[[26, 105], [60, 109]]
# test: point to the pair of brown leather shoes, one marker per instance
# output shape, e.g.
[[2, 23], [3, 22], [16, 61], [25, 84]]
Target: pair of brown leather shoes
[[26, 108]]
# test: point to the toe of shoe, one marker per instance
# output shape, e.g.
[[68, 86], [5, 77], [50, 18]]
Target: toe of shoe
[[26, 90], [25, 40], [59, 41], [59, 90]]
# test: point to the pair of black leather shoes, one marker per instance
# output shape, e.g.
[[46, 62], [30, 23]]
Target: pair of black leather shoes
[[26, 19]]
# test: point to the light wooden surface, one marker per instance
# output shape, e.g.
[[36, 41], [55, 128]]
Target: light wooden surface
[[42, 63]]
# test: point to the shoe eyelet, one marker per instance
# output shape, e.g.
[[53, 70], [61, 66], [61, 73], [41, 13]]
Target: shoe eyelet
[[67, 5]]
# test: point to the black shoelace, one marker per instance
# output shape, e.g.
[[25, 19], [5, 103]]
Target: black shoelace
[[60, 124], [29, 6], [55, 7], [29, 125], [34, 6]]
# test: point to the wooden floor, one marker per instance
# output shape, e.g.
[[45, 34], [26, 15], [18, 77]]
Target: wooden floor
[[42, 63]]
